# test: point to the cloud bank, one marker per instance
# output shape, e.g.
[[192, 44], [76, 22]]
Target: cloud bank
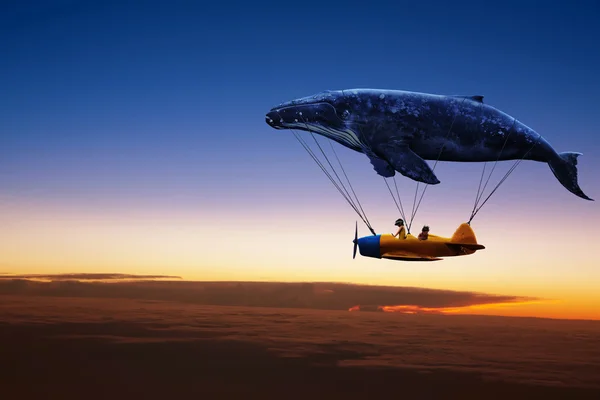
[[318, 295], [85, 277]]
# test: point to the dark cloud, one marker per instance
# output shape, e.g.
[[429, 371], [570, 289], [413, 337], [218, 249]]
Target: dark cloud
[[83, 276], [332, 296]]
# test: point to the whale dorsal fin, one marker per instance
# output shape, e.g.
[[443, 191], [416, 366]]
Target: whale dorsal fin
[[476, 98]]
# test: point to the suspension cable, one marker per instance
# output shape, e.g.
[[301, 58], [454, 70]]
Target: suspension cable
[[328, 162], [397, 206], [320, 164], [365, 219], [412, 213], [479, 188], [416, 205], [335, 184], [434, 165], [350, 184], [345, 194], [398, 203], [505, 177], [479, 195], [399, 199]]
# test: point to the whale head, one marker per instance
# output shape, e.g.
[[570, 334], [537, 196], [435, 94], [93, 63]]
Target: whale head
[[329, 113]]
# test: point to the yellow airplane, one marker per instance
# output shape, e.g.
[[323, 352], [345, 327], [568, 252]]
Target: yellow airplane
[[462, 243]]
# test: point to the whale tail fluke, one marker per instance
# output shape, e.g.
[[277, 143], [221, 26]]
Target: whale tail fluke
[[564, 168]]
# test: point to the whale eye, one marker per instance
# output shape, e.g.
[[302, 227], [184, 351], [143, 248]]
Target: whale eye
[[345, 114]]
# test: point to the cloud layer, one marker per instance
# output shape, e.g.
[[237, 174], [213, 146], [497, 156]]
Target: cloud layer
[[160, 349], [84, 277], [332, 296]]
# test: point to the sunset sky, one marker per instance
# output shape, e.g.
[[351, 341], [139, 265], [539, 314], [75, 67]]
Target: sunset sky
[[132, 140]]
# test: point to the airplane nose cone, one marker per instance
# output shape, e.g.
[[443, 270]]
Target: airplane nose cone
[[369, 246]]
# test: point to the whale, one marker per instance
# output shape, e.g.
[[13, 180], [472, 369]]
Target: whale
[[399, 130]]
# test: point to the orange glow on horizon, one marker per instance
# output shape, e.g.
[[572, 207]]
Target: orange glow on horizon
[[535, 308], [414, 309]]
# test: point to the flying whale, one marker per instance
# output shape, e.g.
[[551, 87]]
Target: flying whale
[[398, 130]]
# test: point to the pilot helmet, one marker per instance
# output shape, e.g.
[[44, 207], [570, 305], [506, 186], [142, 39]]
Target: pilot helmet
[[425, 228], [399, 222]]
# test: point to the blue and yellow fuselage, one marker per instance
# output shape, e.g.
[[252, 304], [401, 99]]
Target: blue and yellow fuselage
[[410, 248]]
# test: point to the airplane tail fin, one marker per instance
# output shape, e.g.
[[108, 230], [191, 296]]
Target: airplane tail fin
[[564, 168], [464, 240], [464, 234]]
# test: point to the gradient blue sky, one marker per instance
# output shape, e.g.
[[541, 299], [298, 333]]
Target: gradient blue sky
[[137, 117]]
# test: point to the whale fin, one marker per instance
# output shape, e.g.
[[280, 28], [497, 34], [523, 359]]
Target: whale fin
[[409, 164], [564, 168], [382, 167], [477, 98]]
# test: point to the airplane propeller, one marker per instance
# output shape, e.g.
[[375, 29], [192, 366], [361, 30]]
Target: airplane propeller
[[355, 241]]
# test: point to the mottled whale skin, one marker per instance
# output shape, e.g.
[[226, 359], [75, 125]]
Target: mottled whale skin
[[398, 130]]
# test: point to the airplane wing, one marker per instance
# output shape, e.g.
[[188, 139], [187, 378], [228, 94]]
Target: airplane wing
[[407, 256]]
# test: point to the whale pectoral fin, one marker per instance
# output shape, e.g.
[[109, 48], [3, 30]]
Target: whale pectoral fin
[[382, 167], [409, 164]]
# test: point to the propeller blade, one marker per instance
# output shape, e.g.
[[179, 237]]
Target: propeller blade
[[355, 240]]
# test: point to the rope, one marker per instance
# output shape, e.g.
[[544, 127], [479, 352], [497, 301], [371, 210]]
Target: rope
[[434, 165], [365, 219], [416, 205], [310, 152], [400, 200], [327, 159], [478, 198], [350, 184], [397, 206], [478, 189], [505, 177], [345, 194]]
